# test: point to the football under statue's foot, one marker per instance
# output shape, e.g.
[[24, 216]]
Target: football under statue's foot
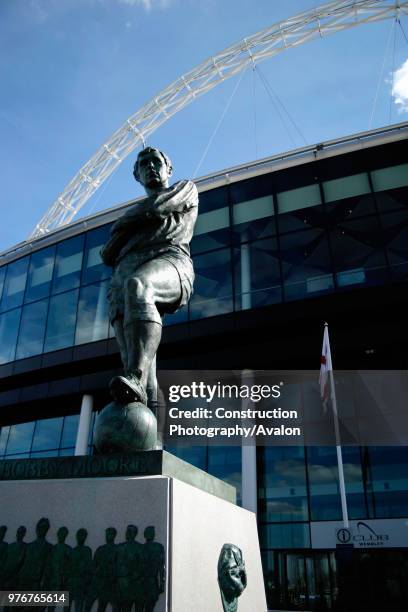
[[127, 389]]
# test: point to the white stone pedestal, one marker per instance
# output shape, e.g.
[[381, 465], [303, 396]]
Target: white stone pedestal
[[190, 523]]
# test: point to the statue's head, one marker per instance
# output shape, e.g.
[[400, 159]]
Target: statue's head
[[153, 169], [110, 535], [81, 536], [231, 571], [20, 533], [131, 532], [62, 534], [149, 533], [42, 527]]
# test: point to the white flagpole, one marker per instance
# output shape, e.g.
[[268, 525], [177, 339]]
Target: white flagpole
[[342, 485]]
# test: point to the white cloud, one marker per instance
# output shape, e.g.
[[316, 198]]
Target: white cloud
[[400, 87], [148, 5]]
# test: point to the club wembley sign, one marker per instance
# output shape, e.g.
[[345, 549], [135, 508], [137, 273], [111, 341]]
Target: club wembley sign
[[386, 533], [362, 537]]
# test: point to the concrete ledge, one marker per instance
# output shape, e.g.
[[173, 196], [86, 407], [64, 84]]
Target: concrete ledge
[[147, 463]]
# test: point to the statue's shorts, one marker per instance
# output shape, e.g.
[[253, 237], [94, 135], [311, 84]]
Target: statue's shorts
[[168, 276]]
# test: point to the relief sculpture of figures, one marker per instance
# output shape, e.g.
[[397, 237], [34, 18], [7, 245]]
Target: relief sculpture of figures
[[58, 564], [15, 559], [79, 574], [154, 575], [103, 585], [130, 576], [3, 551], [152, 275], [130, 572], [232, 578], [35, 561]]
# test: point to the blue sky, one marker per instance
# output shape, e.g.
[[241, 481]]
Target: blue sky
[[72, 71]]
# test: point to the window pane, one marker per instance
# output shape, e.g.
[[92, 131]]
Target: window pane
[[294, 199], [20, 438], [211, 230], [178, 317], [291, 535], [390, 178], [348, 209], [226, 463], [44, 453], [47, 434], [93, 318], [213, 284], [14, 284], [257, 274], [2, 277], [9, 322], [253, 209], [395, 199], [210, 221], [213, 199], [94, 269], [282, 487], [66, 452], [32, 329], [61, 321], [201, 308], [353, 475], [4, 434], [91, 430], [254, 219], [306, 264], [196, 455], [389, 475], [40, 274], [70, 430], [395, 232], [68, 264], [357, 258], [324, 483], [346, 187]]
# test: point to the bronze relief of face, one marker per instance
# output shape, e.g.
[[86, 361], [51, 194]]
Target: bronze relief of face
[[232, 577]]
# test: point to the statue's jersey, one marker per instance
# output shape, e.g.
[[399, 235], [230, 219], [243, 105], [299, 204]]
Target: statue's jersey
[[165, 219], [158, 227]]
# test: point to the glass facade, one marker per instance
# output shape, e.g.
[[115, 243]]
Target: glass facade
[[42, 438], [296, 486], [254, 244], [221, 461], [55, 298]]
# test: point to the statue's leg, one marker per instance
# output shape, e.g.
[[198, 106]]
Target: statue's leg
[[151, 289], [120, 339], [154, 286], [151, 387], [142, 339]]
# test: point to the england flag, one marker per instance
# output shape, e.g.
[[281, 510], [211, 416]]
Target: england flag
[[325, 367]]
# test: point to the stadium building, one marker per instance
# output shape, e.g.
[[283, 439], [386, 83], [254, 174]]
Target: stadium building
[[281, 245]]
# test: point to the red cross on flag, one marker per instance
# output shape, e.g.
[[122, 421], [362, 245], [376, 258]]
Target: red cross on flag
[[325, 367]]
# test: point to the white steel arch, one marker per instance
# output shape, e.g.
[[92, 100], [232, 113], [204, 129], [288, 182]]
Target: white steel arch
[[318, 22]]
